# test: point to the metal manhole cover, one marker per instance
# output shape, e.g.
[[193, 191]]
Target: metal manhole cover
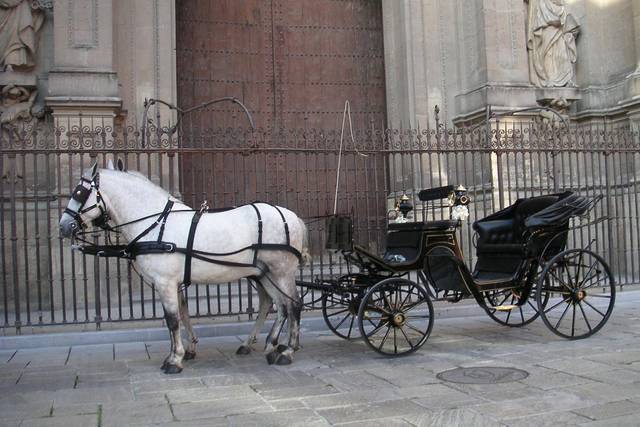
[[482, 375]]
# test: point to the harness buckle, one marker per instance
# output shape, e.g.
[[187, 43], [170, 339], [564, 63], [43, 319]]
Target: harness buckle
[[204, 206], [169, 247]]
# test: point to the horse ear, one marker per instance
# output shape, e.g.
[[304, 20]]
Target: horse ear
[[120, 164], [110, 165]]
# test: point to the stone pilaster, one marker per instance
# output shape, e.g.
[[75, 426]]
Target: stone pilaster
[[493, 37], [82, 82], [145, 54]]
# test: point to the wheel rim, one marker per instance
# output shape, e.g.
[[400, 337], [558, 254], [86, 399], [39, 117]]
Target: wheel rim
[[340, 312], [520, 315], [396, 317], [580, 291]]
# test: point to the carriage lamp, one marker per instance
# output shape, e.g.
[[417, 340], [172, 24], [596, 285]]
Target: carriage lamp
[[405, 206]]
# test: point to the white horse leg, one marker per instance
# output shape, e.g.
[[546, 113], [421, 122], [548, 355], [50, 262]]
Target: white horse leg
[[272, 339], [190, 352], [265, 302], [170, 302], [294, 309]]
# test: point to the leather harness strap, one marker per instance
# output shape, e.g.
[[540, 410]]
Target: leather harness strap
[[186, 281]]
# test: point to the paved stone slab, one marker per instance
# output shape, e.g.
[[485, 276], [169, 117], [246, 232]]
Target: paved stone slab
[[295, 418], [611, 410], [219, 408], [455, 418], [129, 413], [371, 411], [334, 381], [64, 421]]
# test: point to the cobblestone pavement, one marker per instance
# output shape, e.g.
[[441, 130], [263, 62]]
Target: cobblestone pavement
[[593, 382]]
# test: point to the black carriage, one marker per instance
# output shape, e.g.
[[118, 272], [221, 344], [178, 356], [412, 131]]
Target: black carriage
[[523, 271]]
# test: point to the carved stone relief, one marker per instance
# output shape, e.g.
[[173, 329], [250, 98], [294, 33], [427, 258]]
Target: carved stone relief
[[551, 44]]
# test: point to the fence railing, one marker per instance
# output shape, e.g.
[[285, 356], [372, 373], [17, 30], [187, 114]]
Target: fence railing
[[44, 282]]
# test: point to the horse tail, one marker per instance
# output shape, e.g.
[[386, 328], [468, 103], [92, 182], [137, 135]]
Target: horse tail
[[306, 255]]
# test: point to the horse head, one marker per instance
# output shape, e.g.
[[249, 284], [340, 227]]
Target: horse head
[[86, 205]]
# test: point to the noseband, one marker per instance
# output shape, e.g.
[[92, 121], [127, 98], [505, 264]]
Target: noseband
[[81, 194]]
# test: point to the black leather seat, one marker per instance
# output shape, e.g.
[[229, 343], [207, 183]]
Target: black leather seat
[[501, 245]]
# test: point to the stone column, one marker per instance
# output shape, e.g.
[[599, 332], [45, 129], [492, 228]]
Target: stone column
[[83, 86]]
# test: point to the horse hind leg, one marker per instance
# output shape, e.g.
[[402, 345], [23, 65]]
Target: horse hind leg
[[190, 351], [294, 309], [265, 302], [271, 344]]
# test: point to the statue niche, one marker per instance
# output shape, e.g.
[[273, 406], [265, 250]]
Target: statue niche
[[551, 44]]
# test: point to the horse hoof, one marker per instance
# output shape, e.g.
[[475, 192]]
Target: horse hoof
[[189, 355], [172, 369], [281, 348], [272, 357], [164, 365], [283, 360], [243, 350]]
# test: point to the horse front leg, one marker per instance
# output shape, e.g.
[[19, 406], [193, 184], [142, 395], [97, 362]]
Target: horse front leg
[[265, 302], [190, 352], [171, 305]]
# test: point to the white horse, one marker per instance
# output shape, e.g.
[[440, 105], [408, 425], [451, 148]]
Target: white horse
[[123, 198]]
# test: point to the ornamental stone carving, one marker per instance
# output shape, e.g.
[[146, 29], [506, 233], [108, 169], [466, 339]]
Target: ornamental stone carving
[[551, 43], [20, 21]]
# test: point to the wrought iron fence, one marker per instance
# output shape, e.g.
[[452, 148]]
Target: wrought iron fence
[[44, 282]]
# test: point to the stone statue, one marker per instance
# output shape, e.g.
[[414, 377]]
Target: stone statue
[[20, 21], [551, 44]]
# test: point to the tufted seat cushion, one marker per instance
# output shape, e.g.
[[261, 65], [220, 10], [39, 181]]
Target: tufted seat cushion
[[501, 242]]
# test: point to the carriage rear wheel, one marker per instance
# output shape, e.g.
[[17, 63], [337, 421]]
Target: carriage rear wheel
[[510, 312], [340, 312], [395, 317], [581, 293]]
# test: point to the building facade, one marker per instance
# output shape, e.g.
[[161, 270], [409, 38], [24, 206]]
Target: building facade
[[294, 63]]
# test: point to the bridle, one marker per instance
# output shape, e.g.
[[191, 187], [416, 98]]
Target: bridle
[[81, 194]]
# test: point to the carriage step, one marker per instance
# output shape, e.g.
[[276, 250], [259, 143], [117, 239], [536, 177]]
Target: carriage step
[[505, 307]]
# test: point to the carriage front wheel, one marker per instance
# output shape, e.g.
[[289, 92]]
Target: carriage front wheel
[[395, 317], [580, 290]]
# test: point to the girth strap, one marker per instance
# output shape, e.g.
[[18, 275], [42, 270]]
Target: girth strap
[[189, 249]]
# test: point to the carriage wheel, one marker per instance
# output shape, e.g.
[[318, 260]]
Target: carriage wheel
[[395, 317], [518, 315], [581, 293], [340, 312]]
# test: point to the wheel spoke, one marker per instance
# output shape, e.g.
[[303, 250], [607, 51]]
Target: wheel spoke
[[377, 328], [337, 312], [521, 313], [584, 315], [573, 321], [342, 321], [424, 334], [350, 326], [598, 311], [588, 272], [395, 341], [599, 296], [407, 338], [562, 317], [551, 308], [560, 280], [384, 338]]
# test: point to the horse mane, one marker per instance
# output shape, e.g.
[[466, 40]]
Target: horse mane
[[139, 176]]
